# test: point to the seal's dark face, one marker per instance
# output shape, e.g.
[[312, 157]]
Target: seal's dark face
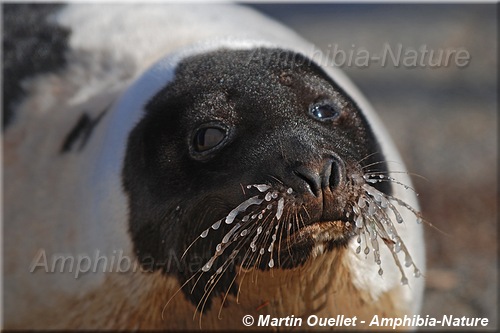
[[247, 159]]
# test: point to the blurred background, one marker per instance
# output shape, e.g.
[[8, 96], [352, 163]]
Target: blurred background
[[444, 121]]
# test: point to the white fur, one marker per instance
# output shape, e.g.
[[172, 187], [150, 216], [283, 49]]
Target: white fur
[[75, 203]]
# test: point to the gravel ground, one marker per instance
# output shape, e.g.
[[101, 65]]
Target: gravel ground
[[443, 119]]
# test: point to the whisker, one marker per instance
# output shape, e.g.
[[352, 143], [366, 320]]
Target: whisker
[[381, 178], [264, 224], [397, 172], [306, 211], [372, 205], [380, 162], [212, 282], [276, 179], [225, 296], [172, 297], [259, 222], [279, 244], [367, 157], [190, 245], [367, 166], [243, 189]]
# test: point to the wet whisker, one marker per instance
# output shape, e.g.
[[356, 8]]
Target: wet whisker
[[372, 222]]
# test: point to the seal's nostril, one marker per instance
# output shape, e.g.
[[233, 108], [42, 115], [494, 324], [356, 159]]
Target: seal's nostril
[[315, 179], [332, 175], [311, 178]]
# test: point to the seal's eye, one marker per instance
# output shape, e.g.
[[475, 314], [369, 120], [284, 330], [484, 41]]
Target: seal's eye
[[324, 112], [207, 138]]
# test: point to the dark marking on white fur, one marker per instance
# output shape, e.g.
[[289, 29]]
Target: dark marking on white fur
[[31, 45], [80, 133]]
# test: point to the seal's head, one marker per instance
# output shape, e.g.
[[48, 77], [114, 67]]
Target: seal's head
[[253, 159]]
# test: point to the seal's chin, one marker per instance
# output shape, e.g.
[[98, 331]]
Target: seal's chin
[[320, 237], [322, 232]]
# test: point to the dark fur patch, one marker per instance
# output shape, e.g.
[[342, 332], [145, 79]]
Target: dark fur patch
[[81, 132], [31, 45]]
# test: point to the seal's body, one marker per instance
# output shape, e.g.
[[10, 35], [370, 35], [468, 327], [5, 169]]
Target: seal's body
[[199, 162]]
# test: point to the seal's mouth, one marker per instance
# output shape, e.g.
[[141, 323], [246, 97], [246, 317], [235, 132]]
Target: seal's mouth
[[274, 227], [321, 232]]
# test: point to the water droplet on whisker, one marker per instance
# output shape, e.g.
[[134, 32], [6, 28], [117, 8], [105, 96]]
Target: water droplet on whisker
[[279, 210], [408, 260], [371, 208], [242, 207], [262, 187], [216, 225], [359, 223]]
